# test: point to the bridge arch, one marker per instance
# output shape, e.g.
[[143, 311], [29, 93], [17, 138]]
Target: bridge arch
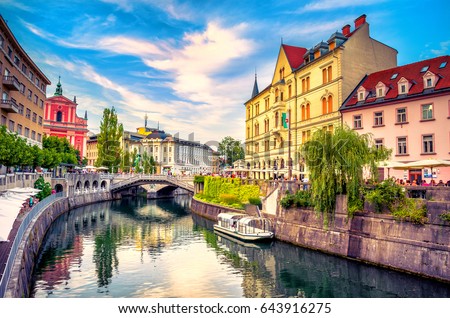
[[59, 188], [87, 185], [95, 185]]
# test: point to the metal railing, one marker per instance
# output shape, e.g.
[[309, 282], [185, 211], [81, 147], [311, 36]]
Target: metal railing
[[35, 211]]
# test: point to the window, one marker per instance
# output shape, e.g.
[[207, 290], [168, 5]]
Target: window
[[330, 104], [28, 113], [30, 93], [3, 120], [248, 112], [324, 76], [266, 103], [21, 108], [22, 89], [266, 145], [41, 103], [276, 119], [59, 116], [39, 138], [330, 73], [27, 132], [40, 121], [37, 82], [10, 51], [11, 125], [378, 143], [31, 76], [327, 105], [401, 115], [289, 91], [33, 135], [19, 129], [378, 119], [443, 64], [361, 96], [34, 117], [427, 112], [24, 68], [401, 146], [36, 99], [394, 76], [16, 60], [256, 147], [2, 41], [429, 82], [403, 89], [424, 69], [357, 121], [427, 144], [257, 109]]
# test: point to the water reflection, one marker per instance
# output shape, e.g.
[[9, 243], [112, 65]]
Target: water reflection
[[157, 248]]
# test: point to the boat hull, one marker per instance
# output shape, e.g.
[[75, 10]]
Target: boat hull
[[261, 236]]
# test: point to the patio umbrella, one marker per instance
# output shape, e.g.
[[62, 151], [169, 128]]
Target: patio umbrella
[[427, 163], [102, 168]]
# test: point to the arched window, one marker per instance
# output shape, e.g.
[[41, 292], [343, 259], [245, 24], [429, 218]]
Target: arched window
[[324, 106], [59, 116], [303, 112], [308, 111], [330, 104], [276, 119]]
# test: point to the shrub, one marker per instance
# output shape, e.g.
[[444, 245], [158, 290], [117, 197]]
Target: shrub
[[386, 195], [228, 199], [255, 201], [199, 179], [413, 210], [445, 216], [299, 199]]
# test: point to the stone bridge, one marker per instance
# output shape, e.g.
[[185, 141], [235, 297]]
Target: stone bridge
[[166, 184], [118, 185]]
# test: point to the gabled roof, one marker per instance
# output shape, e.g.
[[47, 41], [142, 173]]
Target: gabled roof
[[294, 55], [412, 72]]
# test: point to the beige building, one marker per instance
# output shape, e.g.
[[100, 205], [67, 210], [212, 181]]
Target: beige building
[[23, 89], [307, 89], [91, 150]]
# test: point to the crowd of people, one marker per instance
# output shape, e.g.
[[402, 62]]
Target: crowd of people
[[422, 183]]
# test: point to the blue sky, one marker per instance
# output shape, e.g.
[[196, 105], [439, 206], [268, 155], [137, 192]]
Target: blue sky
[[190, 65]]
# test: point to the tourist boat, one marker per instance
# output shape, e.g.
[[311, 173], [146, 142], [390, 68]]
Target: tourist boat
[[243, 226]]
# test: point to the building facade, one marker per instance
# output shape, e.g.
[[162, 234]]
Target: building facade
[[307, 89], [61, 120], [91, 150], [406, 109], [23, 89]]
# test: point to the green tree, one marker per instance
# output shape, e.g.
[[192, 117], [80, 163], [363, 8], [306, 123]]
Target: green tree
[[231, 150], [45, 187], [335, 162], [111, 132], [125, 163]]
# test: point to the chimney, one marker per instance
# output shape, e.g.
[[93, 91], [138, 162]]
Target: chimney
[[360, 21], [346, 30]]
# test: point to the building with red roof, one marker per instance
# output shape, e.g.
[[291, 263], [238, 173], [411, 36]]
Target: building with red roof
[[406, 109], [307, 88]]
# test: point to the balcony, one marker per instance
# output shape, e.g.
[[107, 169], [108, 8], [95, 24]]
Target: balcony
[[11, 82], [9, 106]]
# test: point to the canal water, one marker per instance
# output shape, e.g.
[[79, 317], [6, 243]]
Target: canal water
[[157, 248]]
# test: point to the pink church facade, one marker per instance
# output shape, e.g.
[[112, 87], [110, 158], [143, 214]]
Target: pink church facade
[[406, 109], [61, 120]]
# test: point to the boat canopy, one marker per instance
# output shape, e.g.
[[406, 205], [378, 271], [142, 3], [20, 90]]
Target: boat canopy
[[231, 216]]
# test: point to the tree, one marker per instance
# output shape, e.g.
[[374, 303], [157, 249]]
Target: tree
[[335, 162], [109, 150], [231, 150], [45, 187]]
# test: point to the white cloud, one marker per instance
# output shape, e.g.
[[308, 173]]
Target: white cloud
[[443, 48], [322, 5]]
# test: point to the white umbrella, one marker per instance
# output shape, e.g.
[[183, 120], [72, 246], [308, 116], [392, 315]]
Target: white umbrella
[[390, 164], [427, 163]]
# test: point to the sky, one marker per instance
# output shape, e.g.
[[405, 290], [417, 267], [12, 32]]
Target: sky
[[190, 65]]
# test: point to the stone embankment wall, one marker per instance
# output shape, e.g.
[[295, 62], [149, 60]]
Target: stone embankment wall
[[374, 238], [19, 281]]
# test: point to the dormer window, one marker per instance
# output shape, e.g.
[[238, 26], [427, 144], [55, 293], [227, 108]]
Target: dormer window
[[424, 69], [429, 80], [362, 94], [403, 86], [381, 89]]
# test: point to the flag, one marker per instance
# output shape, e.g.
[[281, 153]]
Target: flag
[[285, 119]]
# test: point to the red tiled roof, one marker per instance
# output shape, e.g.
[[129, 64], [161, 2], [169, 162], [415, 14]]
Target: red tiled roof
[[294, 55], [411, 72]]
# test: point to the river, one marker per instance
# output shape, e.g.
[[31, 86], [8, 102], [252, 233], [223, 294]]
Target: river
[[157, 248]]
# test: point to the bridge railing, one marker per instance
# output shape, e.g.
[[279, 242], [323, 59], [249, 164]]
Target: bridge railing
[[35, 211], [181, 182]]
